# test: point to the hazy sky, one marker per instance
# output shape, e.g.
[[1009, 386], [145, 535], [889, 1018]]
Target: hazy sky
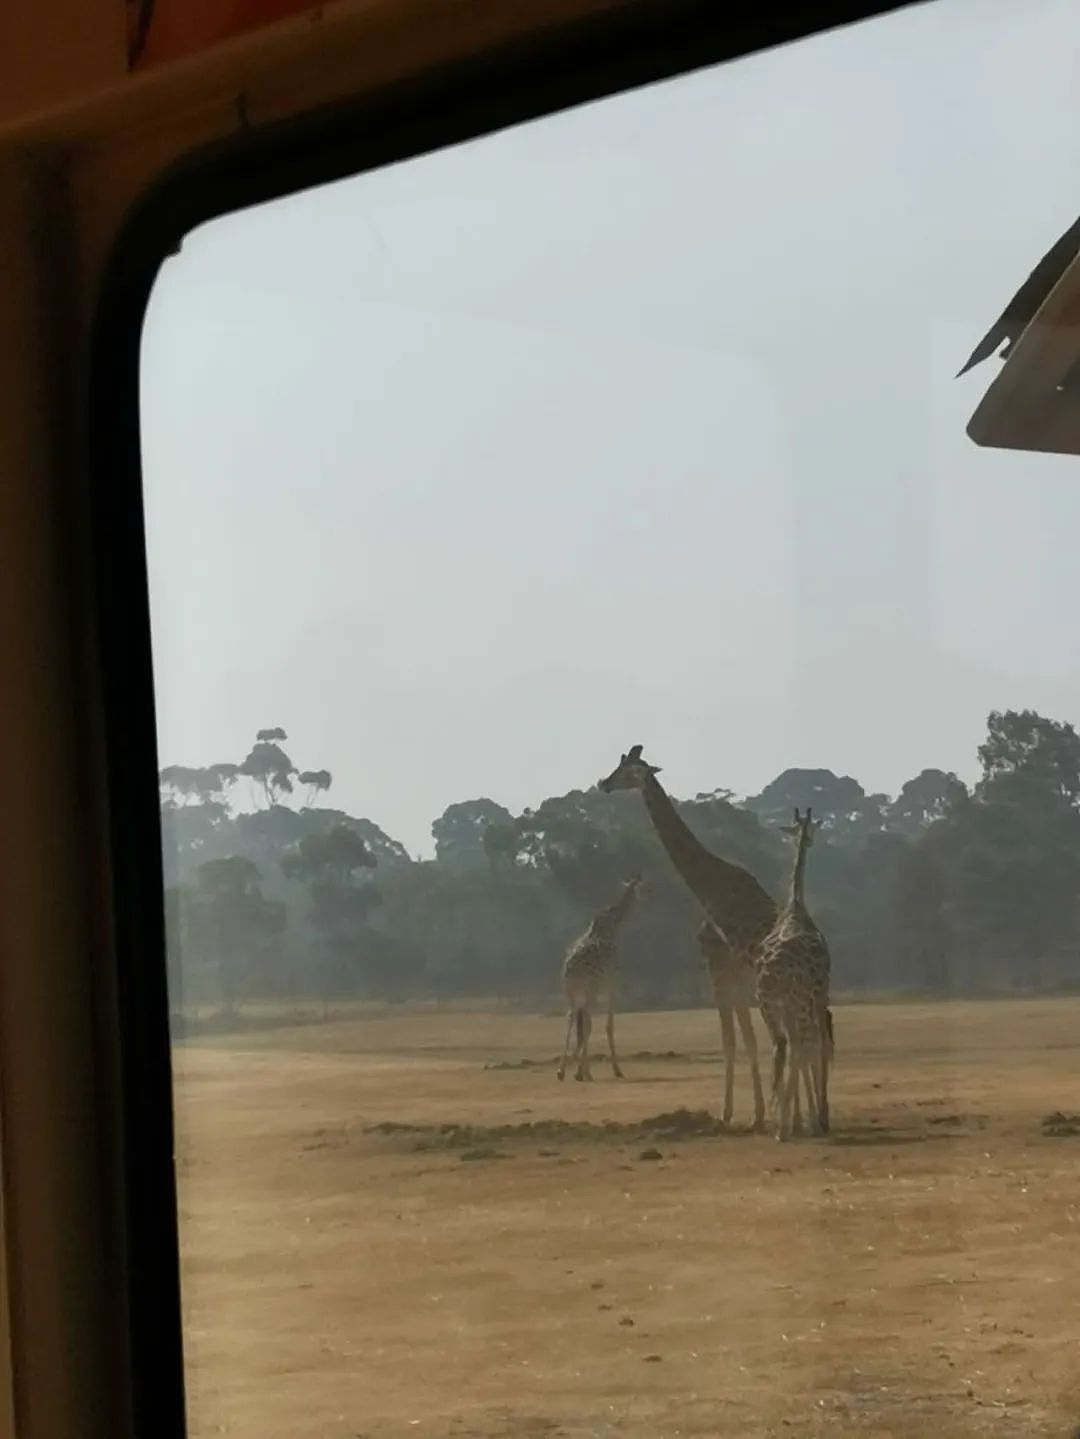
[[637, 424]]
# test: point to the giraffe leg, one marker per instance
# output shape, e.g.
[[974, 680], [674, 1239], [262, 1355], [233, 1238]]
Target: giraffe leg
[[560, 1073], [584, 1071], [749, 1039], [727, 1031], [796, 1109], [818, 1065], [616, 1071], [790, 1099], [826, 1045], [810, 1088], [815, 1085], [580, 1016], [816, 1079], [783, 1097], [773, 1015], [807, 1122], [776, 1102], [790, 1112]]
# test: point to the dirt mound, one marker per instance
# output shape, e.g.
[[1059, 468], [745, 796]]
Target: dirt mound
[[639, 1054], [677, 1124], [1061, 1126]]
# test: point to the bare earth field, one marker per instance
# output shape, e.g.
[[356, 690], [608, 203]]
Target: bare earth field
[[507, 1265]]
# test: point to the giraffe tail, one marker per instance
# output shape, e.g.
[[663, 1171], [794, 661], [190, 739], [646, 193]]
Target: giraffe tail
[[830, 1042]]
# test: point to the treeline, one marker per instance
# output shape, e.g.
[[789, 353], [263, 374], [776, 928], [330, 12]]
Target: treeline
[[940, 888]]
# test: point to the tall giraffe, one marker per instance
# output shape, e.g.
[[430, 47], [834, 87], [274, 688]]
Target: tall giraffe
[[793, 991], [734, 989], [735, 904], [589, 973]]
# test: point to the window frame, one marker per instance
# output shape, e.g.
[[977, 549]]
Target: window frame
[[557, 69]]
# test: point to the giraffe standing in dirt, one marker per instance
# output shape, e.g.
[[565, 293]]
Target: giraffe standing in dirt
[[793, 991], [737, 909], [733, 982], [736, 905], [590, 972]]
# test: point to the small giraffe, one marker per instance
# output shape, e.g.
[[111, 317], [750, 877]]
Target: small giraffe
[[793, 991], [734, 989], [589, 973]]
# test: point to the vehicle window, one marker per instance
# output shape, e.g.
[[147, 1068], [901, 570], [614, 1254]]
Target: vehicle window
[[575, 594]]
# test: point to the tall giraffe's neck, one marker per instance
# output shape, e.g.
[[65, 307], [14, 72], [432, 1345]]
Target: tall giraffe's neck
[[797, 888], [687, 853], [722, 889]]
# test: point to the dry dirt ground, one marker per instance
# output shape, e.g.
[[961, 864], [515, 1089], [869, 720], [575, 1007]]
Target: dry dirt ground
[[391, 1226]]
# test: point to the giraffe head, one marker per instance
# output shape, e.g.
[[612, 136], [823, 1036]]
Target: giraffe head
[[803, 830], [630, 773], [633, 889]]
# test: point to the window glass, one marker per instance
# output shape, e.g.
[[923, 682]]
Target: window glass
[[629, 439]]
